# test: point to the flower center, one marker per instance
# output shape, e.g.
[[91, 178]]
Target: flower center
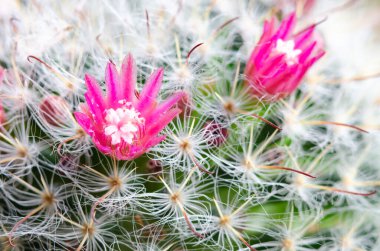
[[287, 47], [123, 123]]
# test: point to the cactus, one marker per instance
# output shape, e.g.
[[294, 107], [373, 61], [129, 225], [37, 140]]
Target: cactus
[[189, 125]]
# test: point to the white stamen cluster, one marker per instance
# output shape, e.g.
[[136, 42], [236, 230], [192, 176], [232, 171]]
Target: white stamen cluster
[[122, 124], [288, 48]]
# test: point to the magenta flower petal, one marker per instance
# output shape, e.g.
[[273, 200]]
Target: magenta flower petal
[[275, 64], [286, 26], [164, 120], [307, 52], [156, 140], [281, 58], [150, 90], [112, 83], [93, 107], [304, 37], [167, 105], [84, 121], [94, 92], [119, 124], [128, 78]]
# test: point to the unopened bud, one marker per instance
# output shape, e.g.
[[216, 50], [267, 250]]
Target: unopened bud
[[154, 166], [54, 110], [216, 133]]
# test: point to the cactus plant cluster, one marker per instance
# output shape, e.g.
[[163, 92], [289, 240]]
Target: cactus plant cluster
[[189, 125]]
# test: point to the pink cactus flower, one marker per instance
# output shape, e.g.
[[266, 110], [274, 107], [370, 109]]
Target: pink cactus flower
[[124, 123], [281, 58]]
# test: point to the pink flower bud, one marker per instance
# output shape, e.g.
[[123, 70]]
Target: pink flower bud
[[54, 110], [154, 166], [185, 104], [216, 133], [67, 163]]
